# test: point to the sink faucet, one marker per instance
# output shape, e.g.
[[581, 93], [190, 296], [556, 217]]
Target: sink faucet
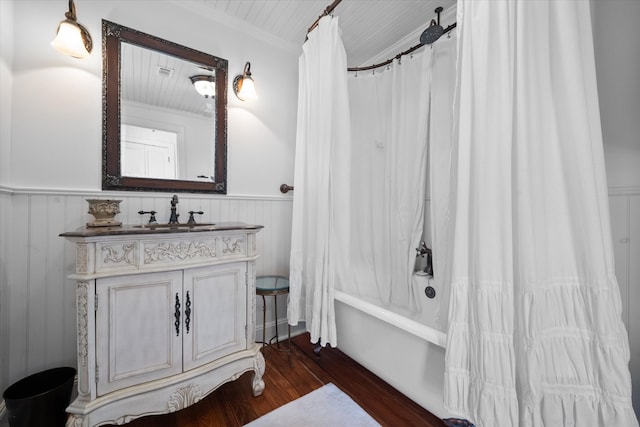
[[174, 216]]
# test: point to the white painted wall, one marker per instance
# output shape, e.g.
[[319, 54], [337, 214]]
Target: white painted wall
[[50, 151], [617, 51], [6, 90], [57, 101], [50, 159], [617, 48]]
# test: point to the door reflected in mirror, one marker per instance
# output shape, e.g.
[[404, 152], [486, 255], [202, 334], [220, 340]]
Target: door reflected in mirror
[[148, 153], [159, 101], [159, 132]]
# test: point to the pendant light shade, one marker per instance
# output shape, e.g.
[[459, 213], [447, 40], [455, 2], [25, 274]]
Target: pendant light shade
[[204, 85], [72, 38]]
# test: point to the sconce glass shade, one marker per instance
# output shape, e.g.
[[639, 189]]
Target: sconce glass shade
[[244, 86], [72, 38], [204, 85]]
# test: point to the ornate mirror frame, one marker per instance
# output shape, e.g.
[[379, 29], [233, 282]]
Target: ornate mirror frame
[[112, 37]]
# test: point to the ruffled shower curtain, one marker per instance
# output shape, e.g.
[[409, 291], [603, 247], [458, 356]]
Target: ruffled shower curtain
[[389, 116], [320, 226], [535, 332]]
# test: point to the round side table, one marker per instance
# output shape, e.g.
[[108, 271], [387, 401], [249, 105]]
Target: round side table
[[273, 286]]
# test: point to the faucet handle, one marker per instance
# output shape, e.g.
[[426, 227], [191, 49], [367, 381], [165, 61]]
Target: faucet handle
[[422, 249], [152, 217], [192, 220]]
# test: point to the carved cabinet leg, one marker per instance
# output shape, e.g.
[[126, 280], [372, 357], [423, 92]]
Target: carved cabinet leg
[[258, 383], [75, 421]]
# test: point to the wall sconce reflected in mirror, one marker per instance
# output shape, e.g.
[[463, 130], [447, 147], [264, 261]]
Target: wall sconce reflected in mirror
[[243, 85], [72, 38], [204, 85]]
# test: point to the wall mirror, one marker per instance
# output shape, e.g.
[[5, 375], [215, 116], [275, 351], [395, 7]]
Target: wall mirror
[[164, 125]]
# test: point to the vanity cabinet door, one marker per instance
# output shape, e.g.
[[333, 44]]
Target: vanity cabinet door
[[217, 323], [138, 336]]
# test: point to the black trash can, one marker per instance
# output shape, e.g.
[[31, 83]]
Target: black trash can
[[40, 399]]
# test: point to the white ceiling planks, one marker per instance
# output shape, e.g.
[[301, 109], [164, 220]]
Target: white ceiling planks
[[368, 26]]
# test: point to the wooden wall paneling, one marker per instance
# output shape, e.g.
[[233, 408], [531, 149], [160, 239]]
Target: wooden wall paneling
[[224, 212], [37, 265], [243, 214], [287, 219], [282, 218], [40, 326], [619, 208], [162, 204], [234, 210], [213, 210], [18, 283], [54, 286], [282, 248], [5, 236], [274, 262], [268, 239], [283, 240], [634, 297], [260, 238], [129, 210], [278, 237]]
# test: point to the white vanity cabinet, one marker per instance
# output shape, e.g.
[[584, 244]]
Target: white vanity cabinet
[[165, 316]]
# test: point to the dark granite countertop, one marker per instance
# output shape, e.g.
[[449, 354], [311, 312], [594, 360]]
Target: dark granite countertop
[[158, 228]]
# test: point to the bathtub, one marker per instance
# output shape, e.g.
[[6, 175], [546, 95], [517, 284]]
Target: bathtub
[[406, 353]]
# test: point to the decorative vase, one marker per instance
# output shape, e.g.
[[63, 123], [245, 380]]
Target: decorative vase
[[104, 212]]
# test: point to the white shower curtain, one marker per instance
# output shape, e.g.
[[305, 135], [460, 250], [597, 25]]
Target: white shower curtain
[[535, 332], [389, 116], [440, 135], [320, 227]]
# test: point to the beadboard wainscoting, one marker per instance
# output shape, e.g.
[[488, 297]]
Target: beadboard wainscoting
[[37, 301], [625, 222]]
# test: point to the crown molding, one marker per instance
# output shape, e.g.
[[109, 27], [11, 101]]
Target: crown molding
[[222, 18]]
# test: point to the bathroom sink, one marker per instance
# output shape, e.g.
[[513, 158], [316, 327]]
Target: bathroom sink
[[175, 226]]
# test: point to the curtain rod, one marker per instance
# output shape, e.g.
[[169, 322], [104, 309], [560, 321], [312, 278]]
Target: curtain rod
[[398, 56], [335, 3], [327, 11]]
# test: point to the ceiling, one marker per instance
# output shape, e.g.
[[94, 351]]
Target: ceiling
[[149, 77], [369, 27], [372, 31]]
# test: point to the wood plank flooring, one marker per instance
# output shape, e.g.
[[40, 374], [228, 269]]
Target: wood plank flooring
[[233, 404]]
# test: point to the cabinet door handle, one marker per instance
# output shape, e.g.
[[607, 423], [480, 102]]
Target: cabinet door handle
[[187, 312], [176, 314]]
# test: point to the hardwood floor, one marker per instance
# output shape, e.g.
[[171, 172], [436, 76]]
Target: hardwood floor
[[233, 403]]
